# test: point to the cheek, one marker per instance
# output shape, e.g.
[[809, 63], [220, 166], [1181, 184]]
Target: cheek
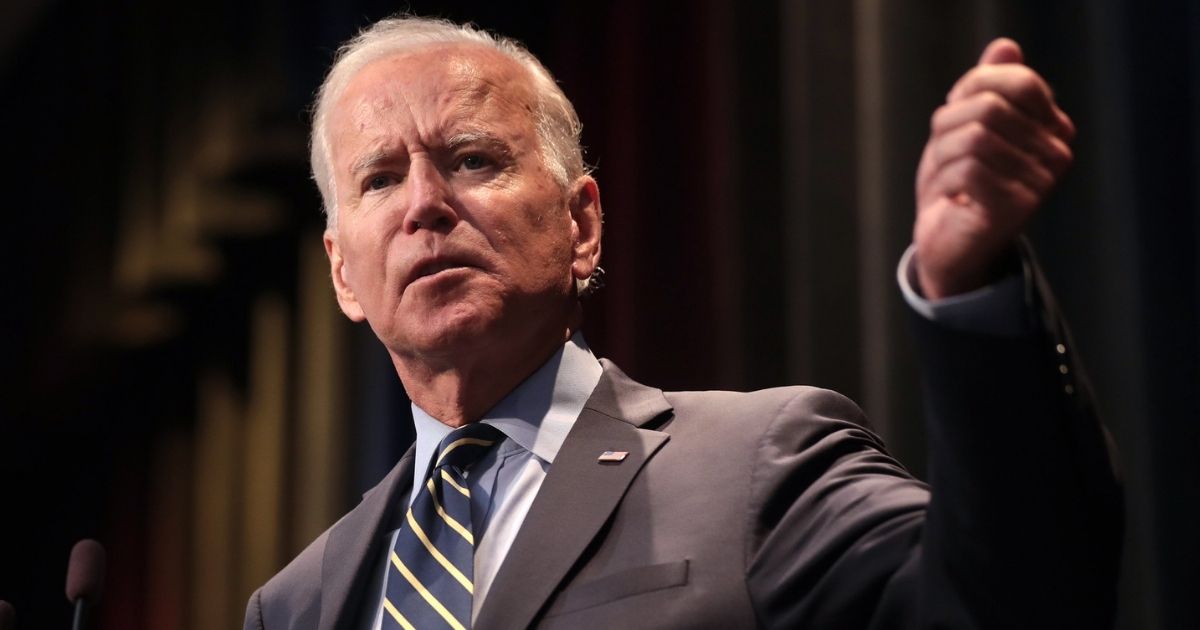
[[531, 224], [523, 225], [364, 263], [546, 232], [547, 215]]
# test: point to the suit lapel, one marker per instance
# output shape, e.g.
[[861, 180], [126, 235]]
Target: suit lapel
[[576, 498], [354, 545]]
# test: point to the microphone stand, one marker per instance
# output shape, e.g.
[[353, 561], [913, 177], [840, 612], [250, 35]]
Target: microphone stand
[[81, 614]]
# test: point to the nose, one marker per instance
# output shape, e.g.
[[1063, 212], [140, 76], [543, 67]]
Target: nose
[[429, 199]]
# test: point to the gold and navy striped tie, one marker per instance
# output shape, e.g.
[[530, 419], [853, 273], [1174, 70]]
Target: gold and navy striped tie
[[430, 581]]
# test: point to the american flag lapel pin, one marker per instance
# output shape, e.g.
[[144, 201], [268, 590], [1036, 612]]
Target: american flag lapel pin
[[612, 457]]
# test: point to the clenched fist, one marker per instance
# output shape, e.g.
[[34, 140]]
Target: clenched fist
[[996, 149]]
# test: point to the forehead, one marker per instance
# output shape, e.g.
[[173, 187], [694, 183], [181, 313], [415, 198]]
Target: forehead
[[433, 87]]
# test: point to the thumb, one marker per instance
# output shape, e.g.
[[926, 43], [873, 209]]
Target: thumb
[[1001, 50]]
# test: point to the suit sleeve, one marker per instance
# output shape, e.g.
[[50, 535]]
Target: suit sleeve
[[1020, 526]]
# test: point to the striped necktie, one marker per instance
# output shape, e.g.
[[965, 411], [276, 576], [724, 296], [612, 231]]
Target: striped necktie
[[431, 573]]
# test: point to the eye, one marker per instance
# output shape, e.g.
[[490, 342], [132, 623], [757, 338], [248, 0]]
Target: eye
[[379, 182], [474, 162]]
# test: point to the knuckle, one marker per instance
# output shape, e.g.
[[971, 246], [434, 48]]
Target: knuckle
[[1025, 198], [972, 169], [1063, 157], [1025, 75], [1068, 154], [938, 117], [1012, 193], [1043, 179], [1030, 87], [992, 100], [965, 81], [978, 137], [995, 108]]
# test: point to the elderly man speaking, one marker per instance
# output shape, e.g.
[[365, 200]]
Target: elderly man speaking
[[546, 488]]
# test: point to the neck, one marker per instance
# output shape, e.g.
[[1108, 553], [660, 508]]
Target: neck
[[461, 390]]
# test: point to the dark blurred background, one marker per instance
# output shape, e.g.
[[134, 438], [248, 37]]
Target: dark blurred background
[[179, 384]]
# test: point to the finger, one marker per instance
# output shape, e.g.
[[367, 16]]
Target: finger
[[925, 168], [1016, 82], [999, 200], [1022, 87], [1002, 50], [1066, 127], [1003, 118], [977, 140]]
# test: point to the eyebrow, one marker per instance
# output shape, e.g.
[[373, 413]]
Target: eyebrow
[[374, 158], [368, 161], [472, 137]]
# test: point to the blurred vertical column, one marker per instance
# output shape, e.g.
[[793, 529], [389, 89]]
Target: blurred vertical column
[[266, 447], [169, 529], [860, 82], [217, 478], [319, 469], [819, 183], [874, 209]]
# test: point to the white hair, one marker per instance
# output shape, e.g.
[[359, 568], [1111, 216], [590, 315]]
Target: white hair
[[555, 120]]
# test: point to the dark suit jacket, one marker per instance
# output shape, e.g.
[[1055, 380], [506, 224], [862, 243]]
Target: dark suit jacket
[[777, 508]]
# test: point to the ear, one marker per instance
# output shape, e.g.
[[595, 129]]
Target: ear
[[586, 224], [337, 269]]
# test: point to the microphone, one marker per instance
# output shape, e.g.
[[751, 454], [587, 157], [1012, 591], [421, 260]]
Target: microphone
[[85, 579], [8, 616]]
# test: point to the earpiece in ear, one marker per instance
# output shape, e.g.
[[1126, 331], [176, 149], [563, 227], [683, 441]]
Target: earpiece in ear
[[591, 284]]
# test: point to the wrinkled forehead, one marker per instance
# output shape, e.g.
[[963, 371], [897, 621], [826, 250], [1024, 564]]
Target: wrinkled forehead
[[436, 82]]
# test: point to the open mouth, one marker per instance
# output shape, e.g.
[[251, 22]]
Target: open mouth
[[435, 267]]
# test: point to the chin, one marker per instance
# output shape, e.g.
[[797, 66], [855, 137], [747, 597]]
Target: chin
[[447, 332]]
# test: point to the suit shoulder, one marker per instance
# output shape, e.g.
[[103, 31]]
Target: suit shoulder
[[767, 406], [782, 419]]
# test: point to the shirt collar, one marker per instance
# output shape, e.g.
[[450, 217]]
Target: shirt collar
[[537, 415]]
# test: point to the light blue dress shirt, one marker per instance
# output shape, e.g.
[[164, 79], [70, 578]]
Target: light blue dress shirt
[[539, 413], [535, 418]]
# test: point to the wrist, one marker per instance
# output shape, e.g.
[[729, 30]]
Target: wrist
[[937, 282]]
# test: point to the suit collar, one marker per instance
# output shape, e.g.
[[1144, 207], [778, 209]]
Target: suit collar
[[355, 542], [622, 398], [577, 497], [537, 415]]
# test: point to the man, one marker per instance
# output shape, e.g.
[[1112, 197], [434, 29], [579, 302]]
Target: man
[[463, 227]]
